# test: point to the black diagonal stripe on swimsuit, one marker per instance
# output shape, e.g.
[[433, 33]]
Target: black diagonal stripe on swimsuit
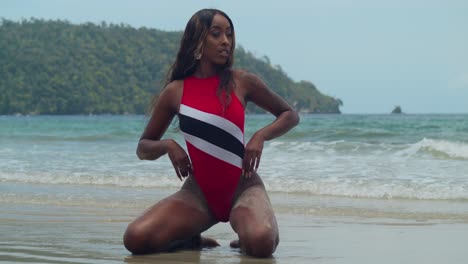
[[211, 134]]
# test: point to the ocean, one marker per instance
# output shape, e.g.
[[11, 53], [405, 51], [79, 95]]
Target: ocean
[[406, 168], [359, 156]]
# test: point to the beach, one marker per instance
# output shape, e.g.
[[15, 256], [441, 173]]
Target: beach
[[312, 230], [345, 189]]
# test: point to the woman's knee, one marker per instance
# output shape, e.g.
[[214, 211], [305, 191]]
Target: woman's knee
[[139, 240], [260, 241], [135, 239]]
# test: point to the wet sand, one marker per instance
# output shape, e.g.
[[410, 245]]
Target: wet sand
[[62, 232]]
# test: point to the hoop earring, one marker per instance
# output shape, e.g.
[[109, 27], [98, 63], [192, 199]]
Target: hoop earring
[[197, 55]]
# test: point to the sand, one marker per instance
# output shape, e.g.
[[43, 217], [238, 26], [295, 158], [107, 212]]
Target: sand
[[35, 232]]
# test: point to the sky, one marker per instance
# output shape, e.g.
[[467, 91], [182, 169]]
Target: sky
[[373, 55]]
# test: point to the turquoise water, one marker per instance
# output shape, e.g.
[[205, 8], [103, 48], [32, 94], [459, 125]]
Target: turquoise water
[[367, 156]]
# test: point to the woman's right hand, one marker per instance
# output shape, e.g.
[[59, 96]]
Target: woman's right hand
[[180, 160]]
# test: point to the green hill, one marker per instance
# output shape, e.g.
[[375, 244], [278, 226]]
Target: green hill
[[55, 67]]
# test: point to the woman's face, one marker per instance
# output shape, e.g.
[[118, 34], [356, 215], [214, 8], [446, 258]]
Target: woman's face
[[218, 42]]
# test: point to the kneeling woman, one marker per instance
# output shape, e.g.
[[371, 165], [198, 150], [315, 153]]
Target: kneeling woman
[[209, 98]]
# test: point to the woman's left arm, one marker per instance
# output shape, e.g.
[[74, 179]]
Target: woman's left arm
[[286, 118]]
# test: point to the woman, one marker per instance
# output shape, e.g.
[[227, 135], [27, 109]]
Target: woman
[[222, 184]]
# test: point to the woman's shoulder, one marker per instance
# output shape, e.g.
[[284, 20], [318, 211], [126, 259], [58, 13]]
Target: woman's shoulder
[[171, 94], [173, 88], [242, 74], [174, 85], [247, 80]]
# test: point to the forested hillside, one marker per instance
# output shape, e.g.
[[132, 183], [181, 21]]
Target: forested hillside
[[55, 67]]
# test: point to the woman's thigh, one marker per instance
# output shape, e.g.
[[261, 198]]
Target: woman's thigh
[[253, 219], [253, 206], [177, 217], [180, 211]]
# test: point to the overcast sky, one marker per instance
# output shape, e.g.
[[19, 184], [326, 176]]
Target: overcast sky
[[372, 54]]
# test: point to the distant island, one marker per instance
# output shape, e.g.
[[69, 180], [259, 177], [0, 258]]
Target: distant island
[[55, 67], [397, 110]]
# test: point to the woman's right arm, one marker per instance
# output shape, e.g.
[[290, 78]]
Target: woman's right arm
[[150, 146]]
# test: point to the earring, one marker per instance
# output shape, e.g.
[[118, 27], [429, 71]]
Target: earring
[[198, 52]]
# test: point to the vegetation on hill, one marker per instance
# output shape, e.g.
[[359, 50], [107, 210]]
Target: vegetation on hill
[[55, 67]]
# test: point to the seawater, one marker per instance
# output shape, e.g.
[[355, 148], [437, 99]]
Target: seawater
[[380, 156], [333, 157]]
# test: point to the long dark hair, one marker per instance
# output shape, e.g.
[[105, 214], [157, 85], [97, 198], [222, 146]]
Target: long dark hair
[[185, 64]]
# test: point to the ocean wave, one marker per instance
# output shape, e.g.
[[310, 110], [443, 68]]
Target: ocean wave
[[74, 137], [443, 149], [338, 186], [374, 189], [138, 181], [440, 149], [427, 169]]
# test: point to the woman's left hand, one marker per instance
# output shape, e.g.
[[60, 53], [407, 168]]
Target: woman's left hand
[[252, 155]]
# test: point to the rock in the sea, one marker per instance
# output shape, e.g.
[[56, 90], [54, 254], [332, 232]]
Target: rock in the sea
[[397, 110]]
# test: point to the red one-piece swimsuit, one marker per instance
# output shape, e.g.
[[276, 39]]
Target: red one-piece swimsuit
[[214, 135]]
